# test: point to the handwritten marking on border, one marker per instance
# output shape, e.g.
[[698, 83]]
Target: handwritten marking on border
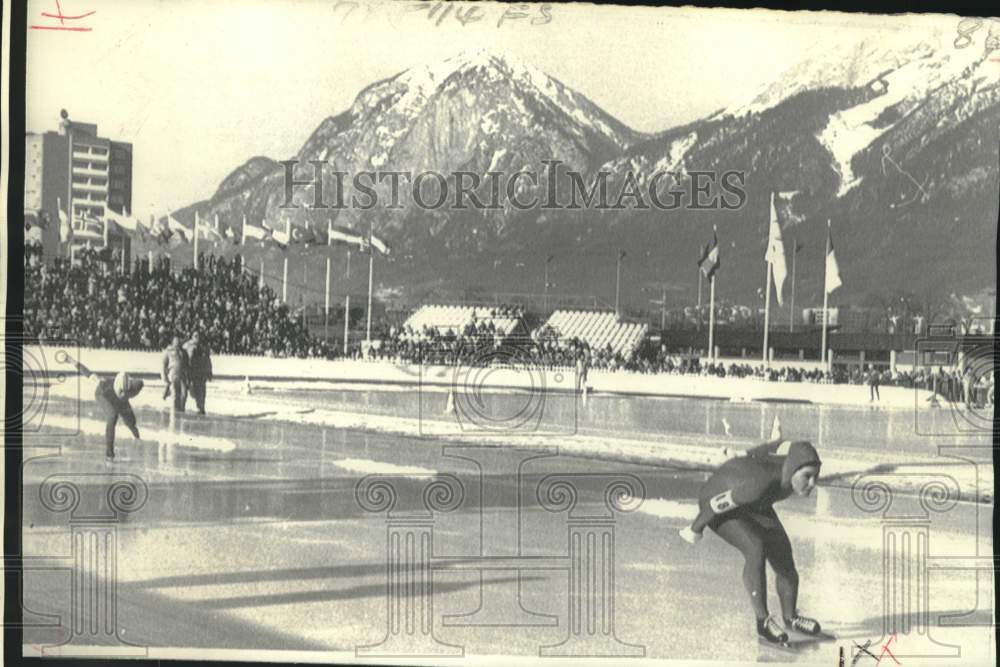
[[62, 18]]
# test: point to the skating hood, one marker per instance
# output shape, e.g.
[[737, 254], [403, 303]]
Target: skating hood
[[800, 453]]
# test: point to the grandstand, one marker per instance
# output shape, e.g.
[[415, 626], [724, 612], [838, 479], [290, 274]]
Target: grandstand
[[598, 330], [457, 319]]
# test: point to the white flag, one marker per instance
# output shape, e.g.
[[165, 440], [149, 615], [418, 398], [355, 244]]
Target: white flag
[[776, 253], [65, 228], [123, 221], [251, 231], [832, 268]]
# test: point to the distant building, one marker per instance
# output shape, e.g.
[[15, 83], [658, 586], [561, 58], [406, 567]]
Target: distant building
[[78, 172]]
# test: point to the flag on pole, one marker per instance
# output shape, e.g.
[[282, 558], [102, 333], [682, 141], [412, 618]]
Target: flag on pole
[[162, 231], [251, 231], [176, 229], [303, 235], [280, 237], [89, 227], [776, 253], [711, 262], [143, 230], [832, 268], [343, 236], [703, 255], [65, 228], [380, 246], [123, 221], [206, 232]]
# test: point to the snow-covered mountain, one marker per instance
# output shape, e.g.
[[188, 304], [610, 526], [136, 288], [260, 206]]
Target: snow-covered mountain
[[895, 139]]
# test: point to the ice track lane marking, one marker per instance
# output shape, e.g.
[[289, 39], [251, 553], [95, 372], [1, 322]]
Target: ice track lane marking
[[369, 467]]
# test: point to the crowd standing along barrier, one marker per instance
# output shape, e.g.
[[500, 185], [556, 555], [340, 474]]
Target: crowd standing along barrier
[[46, 360]]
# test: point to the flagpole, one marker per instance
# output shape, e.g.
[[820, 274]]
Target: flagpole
[[711, 317], [284, 270], [152, 229], [347, 303], [371, 275], [326, 301], [243, 239], [284, 279], [261, 281], [699, 297], [767, 311], [106, 233], [195, 262], [305, 289], [618, 283], [826, 293], [791, 309]]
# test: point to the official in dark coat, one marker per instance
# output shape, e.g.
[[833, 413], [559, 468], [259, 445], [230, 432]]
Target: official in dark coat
[[200, 370]]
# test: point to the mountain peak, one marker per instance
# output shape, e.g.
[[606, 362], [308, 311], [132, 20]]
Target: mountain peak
[[495, 66]]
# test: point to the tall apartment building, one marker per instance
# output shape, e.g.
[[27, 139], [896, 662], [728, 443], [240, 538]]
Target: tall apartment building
[[78, 172]]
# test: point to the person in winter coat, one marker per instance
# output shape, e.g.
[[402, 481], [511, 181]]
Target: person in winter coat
[[175, 373], [112, 396], [874, 380], [200, 370], [736, 502]]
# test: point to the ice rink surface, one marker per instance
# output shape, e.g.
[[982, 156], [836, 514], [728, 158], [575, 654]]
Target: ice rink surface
[[255, 534]]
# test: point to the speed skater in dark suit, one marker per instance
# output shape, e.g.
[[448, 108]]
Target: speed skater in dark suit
[[737, 501]]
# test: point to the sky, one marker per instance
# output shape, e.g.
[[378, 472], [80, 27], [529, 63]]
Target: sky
[[198, 88]]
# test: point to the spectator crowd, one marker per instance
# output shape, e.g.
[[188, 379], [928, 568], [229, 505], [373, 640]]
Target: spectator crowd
[[92, 304]]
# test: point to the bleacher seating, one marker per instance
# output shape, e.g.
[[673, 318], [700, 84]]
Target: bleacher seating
[[598, 330], [455, 319]]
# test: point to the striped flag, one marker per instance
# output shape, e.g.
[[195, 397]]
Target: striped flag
[[775, 255], [711, 262], [832, 268], [703, 255]]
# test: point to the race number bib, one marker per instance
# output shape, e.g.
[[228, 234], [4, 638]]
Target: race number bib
[[723, 502]]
